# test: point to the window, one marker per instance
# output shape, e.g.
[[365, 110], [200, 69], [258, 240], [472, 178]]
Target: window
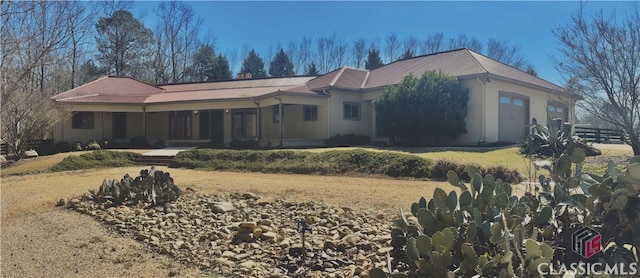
[[82, 120], [518, 102], [310, 113], [506, 100], [276, 113], [559, 109], [552, 108], [351, 111], [180, 125]]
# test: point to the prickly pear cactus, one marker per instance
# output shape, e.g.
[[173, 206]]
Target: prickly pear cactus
[[152, 187]]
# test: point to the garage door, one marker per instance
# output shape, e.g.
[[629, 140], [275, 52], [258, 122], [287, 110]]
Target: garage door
[[513, 118]]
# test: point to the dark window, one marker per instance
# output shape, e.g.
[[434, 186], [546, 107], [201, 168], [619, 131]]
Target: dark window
[[82, 120], [310, 113], [351, 111]]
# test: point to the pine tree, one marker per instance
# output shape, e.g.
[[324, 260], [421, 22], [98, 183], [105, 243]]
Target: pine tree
[[203, 67], [373, 60], [281, 65], [222, 70], [407, 54], [253, 64], [312, 70]]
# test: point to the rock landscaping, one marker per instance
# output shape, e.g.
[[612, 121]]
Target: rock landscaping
[[246, 235]]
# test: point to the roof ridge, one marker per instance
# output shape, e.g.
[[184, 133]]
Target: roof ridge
[[238, 80], [365, 79], [335, 79], [475, 60]]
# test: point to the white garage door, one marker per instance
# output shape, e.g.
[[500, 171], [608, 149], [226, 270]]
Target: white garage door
[[513, 118]]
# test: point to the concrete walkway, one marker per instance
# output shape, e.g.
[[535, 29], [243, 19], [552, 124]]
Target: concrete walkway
[[170, 151]]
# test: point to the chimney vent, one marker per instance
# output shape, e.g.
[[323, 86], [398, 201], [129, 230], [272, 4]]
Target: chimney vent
[[243, 75]]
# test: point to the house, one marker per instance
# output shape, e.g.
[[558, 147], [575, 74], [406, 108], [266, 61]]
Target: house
[[306, 110]]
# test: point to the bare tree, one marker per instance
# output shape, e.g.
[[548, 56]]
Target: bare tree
[[410, 47], [234, 59], [463, 41], [31, 32], [392, 47], [299, 53], [432, 44], [502, 51], [359, 51], [331, 53], [176, 39], [601, 57]]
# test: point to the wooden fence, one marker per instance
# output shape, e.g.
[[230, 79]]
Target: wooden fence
[[600, 135]]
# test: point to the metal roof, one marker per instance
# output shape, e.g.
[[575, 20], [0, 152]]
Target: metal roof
[[462, 63], [125, 90]]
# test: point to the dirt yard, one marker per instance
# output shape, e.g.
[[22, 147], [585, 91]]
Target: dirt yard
[[41, 240]]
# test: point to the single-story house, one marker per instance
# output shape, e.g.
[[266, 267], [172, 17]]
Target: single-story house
[[306, 110]]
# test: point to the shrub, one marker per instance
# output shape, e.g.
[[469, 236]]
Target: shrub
[[347, 140], [440, 169], [152, 187], [358, 162], [158, 144], [215, 144], [47, 147], [96, 159], [111, 144], [243, 144], [139, 142]]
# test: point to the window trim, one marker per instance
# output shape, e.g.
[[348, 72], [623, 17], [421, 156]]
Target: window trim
[[352, 104], [78, 120], [313, 112]]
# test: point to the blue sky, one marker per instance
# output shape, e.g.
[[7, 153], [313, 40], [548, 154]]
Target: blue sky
[[260, 25]]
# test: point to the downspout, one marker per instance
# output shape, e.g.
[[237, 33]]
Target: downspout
[[484, 110], [281, 120], [258, 132]]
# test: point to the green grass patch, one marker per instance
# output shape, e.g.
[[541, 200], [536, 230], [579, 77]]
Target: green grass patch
[[334, 162], [96, 159]]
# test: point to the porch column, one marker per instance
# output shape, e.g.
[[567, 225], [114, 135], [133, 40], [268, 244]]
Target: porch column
[[144, 122], [257, 123], [281, 121], [103, 123]]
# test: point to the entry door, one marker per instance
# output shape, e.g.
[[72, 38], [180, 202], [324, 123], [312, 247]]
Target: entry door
[[212, 125], [513, 118], [119, 125]]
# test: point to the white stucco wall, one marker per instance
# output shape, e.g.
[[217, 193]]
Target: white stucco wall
[[342, 126]]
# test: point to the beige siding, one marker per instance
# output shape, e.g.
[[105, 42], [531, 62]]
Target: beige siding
[[339, 125], [157, 125], [70, 134]]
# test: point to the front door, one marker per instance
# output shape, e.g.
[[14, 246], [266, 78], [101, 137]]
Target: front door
[[119, 125], [212, 125]]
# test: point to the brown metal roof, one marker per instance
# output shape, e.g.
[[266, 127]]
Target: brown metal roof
[[237, 84], [124, 90], [345, 78], [110, 89], [460, 63]]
